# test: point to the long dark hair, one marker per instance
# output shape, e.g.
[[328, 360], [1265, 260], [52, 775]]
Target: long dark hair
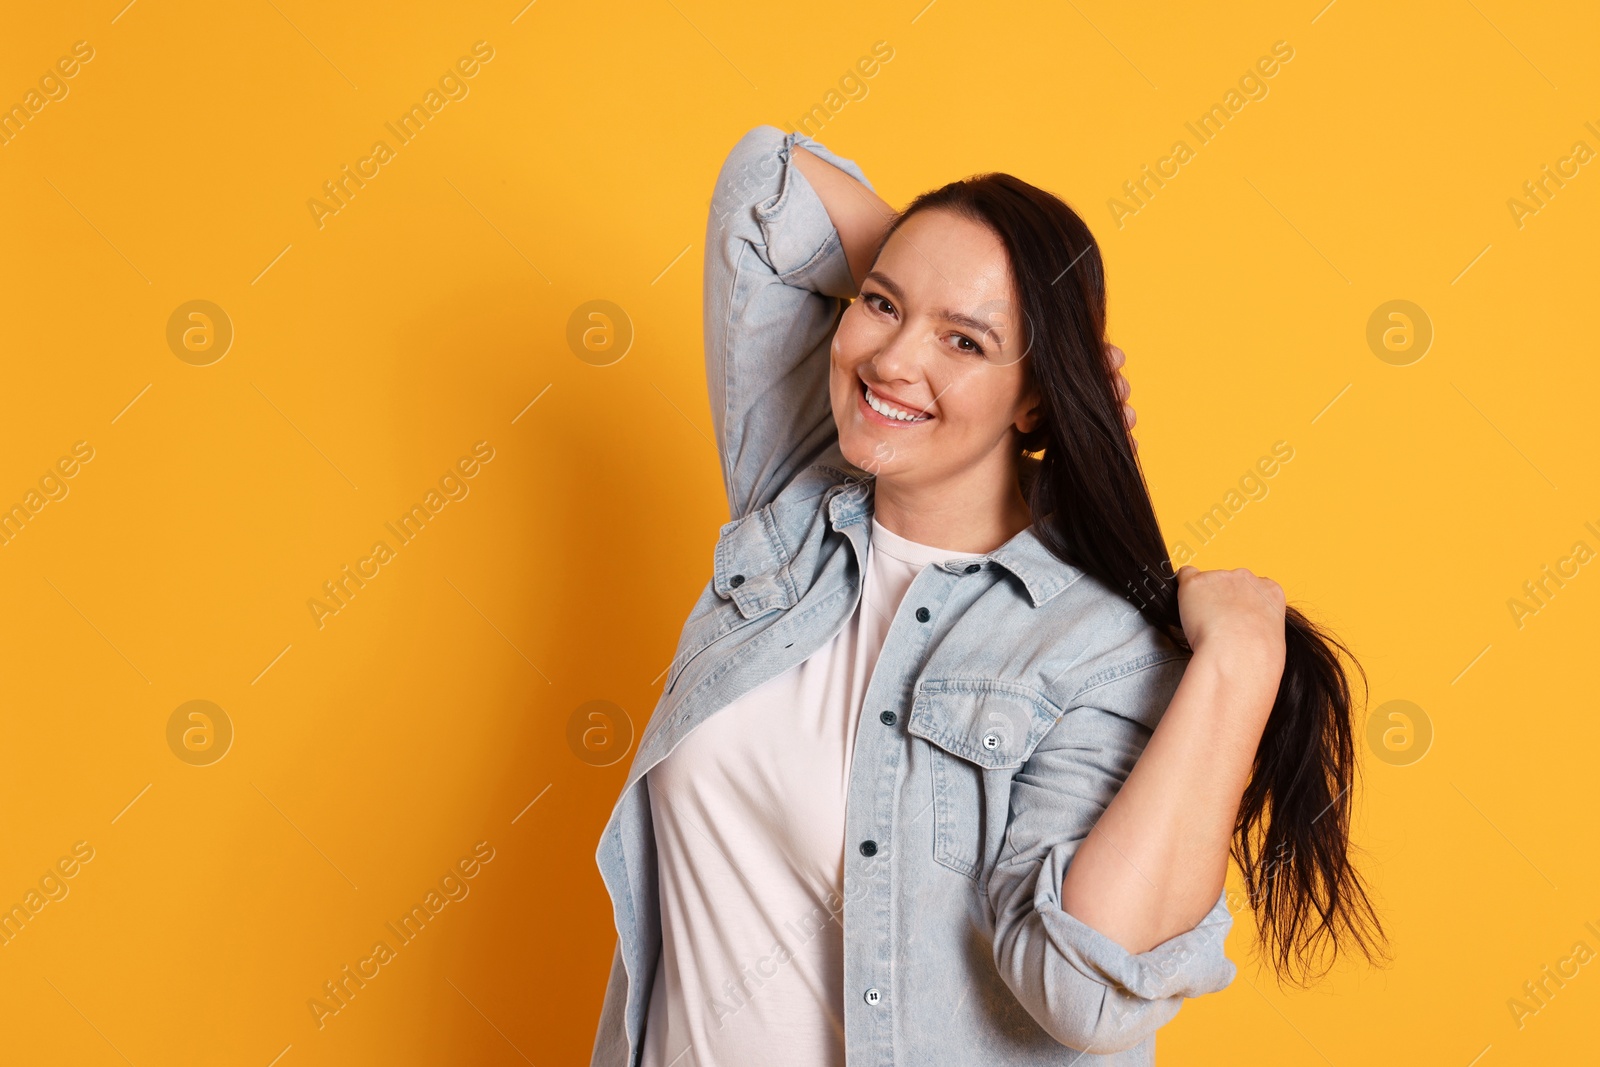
[[1092, 508]]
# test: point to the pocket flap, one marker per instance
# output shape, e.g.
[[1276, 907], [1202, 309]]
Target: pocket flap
[[989, 723], [749, 565]]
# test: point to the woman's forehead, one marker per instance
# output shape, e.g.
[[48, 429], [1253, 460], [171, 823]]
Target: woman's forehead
[[947, 261], [952, 268]]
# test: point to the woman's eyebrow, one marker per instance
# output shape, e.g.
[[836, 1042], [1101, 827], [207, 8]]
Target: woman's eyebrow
[[948, 315]]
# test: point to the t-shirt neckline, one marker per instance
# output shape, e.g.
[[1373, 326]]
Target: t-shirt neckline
[[906, 550]]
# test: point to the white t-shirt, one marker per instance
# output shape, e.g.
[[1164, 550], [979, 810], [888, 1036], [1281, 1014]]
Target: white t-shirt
[[749, 814]]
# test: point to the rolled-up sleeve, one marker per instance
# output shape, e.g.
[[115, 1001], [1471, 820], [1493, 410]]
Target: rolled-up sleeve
[[1084, 989], [776, 281]]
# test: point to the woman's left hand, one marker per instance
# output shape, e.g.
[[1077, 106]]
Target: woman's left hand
[[1235, 617]]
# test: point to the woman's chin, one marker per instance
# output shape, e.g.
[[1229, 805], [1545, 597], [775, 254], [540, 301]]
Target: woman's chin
[[868, 451]]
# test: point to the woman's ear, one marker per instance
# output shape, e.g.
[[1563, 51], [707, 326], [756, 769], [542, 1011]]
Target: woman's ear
[[1032, 411]]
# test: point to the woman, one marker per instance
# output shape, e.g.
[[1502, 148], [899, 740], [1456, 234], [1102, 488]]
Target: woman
[[948, 763]]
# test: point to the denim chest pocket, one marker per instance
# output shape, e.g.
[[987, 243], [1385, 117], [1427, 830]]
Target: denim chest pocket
[[978, 734], [751, 566], [749, 579]]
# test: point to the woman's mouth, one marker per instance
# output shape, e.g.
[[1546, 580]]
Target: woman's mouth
[[877, 409]]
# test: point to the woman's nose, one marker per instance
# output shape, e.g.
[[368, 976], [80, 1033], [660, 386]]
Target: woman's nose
[[900, 357]]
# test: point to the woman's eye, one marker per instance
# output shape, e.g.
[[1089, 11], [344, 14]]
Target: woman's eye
[[879, 302]]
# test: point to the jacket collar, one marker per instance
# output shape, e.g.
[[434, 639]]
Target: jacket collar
[[1025, 556]]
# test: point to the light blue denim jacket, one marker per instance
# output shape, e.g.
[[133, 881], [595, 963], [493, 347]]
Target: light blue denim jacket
[[1011, 697]]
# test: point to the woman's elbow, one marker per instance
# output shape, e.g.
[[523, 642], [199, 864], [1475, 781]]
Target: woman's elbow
[[751, 165], [1080, 1011], [1099, 1019]]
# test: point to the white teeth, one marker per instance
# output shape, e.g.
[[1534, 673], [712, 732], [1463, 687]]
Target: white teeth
[[890, 411]]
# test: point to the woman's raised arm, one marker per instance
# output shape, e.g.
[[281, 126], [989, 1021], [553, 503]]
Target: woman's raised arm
[[776, 280], [860, 215]]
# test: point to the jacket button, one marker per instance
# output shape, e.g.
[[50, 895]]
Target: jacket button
[[872, 996], [923, 615], [990, 741], [736, 580], [869, 848], [889, 718], [974, 567]]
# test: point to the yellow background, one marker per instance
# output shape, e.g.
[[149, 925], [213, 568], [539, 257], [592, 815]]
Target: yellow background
[[373, 752]]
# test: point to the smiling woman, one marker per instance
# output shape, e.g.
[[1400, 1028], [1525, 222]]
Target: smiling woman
[[913, 686], [907, 345], [998, 243]]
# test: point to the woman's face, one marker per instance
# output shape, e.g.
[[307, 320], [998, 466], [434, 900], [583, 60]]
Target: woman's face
[[935, 335]]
